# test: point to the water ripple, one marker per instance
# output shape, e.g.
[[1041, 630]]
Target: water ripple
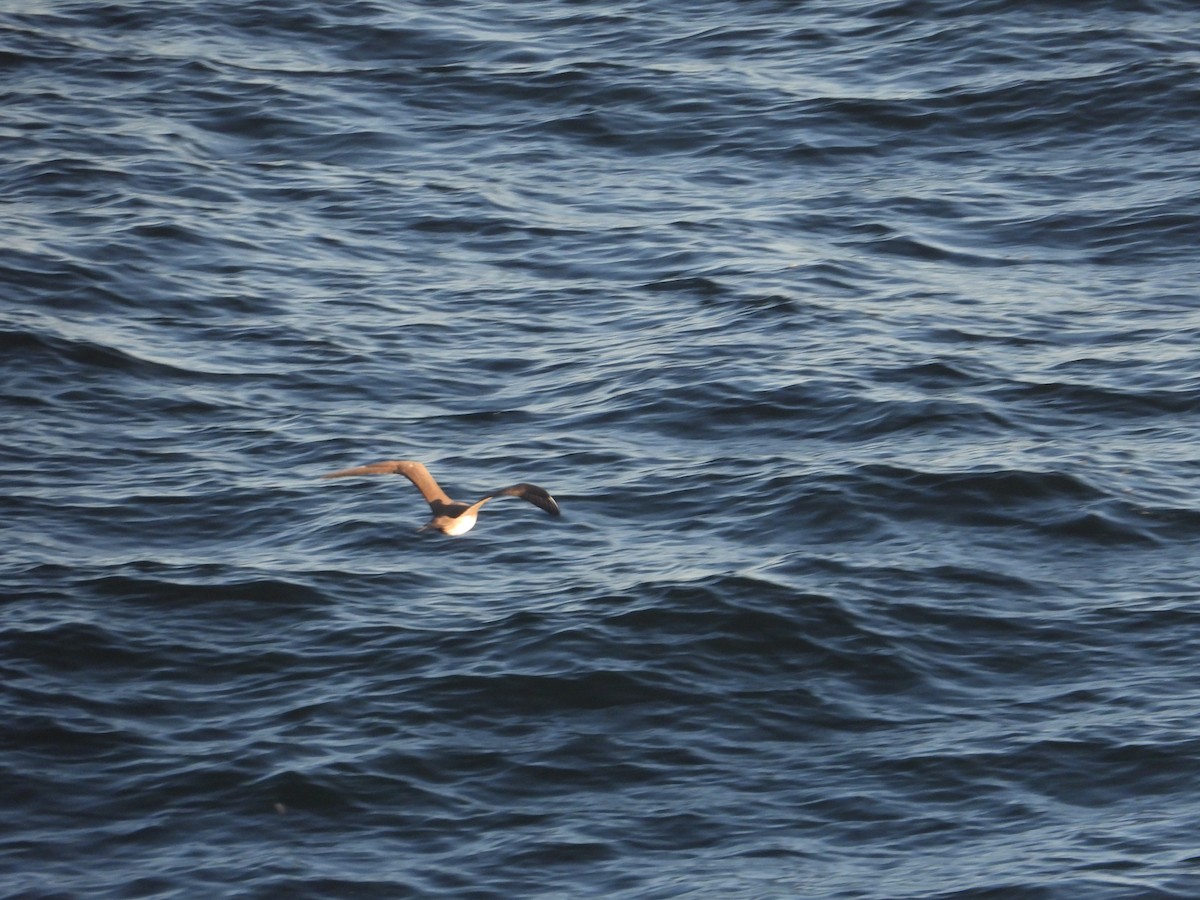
[[858, 347]]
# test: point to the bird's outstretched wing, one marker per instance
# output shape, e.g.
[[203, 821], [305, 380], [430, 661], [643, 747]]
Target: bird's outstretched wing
[[413, 471], [538, 496]]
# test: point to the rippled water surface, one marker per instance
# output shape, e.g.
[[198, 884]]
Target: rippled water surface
[[857, 341]]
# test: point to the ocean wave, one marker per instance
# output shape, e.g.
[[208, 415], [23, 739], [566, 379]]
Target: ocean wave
[[857, 347]]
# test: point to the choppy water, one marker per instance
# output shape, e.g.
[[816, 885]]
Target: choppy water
[[858, 342]]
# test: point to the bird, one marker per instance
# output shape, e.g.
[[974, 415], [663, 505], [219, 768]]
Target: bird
[[449, 516]]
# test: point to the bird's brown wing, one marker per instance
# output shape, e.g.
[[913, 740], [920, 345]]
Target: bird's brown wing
[[413, 471], [538, 496]]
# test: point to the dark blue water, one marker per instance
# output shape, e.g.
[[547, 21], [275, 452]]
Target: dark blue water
[[858, 342]]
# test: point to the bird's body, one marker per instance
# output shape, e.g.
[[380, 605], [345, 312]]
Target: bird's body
[[449, 516]]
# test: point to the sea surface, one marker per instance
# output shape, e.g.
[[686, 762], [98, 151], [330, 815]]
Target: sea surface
[[858, 341]]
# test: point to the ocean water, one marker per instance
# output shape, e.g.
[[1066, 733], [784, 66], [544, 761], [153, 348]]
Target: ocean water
[[858, 342]]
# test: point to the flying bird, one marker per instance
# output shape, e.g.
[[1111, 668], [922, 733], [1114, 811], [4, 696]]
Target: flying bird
[[449, 516]]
